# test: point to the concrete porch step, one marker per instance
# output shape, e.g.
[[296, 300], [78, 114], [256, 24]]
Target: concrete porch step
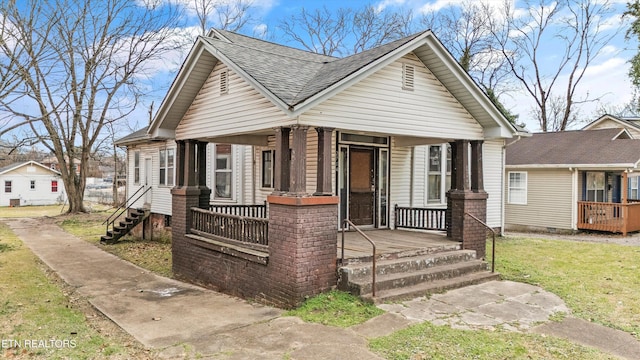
[[415, 277], [433, 287], [453, 246], [363, 271]]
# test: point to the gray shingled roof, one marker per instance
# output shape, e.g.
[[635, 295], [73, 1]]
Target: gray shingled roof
[[133, 137], [580, 147], [290, 74]]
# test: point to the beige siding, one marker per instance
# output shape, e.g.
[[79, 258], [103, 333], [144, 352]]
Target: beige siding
[[378, 104], [493, 180], [549, 201], [608, 123], [400, 179], [243, 107]]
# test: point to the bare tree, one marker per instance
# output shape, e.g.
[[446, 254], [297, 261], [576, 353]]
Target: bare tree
[[578, 27], [345, 31], [465, 30], [232, 15], [80, 63]]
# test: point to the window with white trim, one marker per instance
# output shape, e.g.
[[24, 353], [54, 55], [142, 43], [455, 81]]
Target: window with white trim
[[595, 186], [54, 186], [167, 164], [7, 186], [517, 191], [32, 185], [136, 167], [223, 172], [634, 193], [268, 168], [437, 171]]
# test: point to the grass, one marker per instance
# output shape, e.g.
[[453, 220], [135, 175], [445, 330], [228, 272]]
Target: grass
[[30, 211], [34, 306], [46, 210], [336, 308], [598, 282], [153, 255], [428, 341]]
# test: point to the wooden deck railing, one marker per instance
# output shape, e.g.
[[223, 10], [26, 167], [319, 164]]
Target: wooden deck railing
[[420, 218], [610, 217], [256, 211], [246, 231]]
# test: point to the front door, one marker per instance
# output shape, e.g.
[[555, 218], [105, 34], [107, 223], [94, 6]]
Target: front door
[[361, 186]]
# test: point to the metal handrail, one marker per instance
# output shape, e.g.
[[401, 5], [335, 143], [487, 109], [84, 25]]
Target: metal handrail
[[109, 221], [493, 244], [373, 244]]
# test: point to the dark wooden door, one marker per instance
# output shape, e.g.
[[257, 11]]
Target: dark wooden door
[[361, 186]]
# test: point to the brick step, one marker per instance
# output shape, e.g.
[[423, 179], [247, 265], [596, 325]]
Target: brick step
[[433, 287], [411, 278], [363, 271]]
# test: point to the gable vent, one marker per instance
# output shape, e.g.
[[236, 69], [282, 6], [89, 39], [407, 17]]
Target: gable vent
[[224, 82], [407, 76]]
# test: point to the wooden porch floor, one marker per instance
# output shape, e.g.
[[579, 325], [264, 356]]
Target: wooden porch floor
[[392, 241]]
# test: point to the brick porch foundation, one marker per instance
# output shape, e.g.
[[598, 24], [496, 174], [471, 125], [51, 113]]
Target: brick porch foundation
[[301, 257], [465, 229]]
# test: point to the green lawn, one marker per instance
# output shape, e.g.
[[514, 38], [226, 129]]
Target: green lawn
[[36, 309], [599, 282]]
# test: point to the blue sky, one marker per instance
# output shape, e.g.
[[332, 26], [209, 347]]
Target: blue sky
[[605, 78]]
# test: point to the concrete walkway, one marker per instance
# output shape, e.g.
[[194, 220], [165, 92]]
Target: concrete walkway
[[172, 317]]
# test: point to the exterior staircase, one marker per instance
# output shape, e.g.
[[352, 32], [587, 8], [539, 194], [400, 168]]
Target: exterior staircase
[[407, 275], [131, 220]]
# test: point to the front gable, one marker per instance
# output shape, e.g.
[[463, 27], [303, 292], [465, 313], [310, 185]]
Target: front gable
[[382, 103], [230, 105]]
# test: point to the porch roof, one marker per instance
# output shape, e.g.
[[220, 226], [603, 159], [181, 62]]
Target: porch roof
[[605, 148], [296, 80]]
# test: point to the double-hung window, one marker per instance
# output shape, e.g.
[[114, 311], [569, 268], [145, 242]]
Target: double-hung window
[[32, 185], [223, 172], [54, 186], [268, 165], [595, 186], [136, 167], [517, 193], [634, 194], [438, 173], [167, 164], [7, 186]]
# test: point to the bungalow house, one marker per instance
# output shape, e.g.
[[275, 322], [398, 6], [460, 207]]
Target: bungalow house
[[573, 180], [394, 137], [30, 183]]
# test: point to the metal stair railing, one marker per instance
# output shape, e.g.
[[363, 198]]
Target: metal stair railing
[[124, 207], [493, 244], [373, 244]]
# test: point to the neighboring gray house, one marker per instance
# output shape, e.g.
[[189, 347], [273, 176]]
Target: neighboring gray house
[[30, 183], [573, 180]]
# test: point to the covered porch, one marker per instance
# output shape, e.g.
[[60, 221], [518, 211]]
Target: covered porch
[[621, 214]]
